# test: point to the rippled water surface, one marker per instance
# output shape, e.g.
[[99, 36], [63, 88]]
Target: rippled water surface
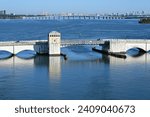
[[85, 74]]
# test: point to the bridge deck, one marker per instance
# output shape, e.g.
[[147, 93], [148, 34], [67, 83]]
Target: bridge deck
[[63, 42], [13, 43], [81, 42]]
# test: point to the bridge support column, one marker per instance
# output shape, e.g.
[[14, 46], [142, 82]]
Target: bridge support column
[[54, 41]]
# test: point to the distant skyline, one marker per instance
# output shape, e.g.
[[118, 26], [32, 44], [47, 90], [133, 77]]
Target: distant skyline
[[74, 6]]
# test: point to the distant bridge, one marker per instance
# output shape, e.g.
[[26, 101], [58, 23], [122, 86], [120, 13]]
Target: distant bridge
[[73, 17], [83, 17]]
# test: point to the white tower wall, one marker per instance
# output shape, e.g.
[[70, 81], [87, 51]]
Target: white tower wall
[[54, 43]]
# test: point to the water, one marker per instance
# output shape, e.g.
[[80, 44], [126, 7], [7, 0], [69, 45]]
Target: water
[[75, 29], [85, 74]]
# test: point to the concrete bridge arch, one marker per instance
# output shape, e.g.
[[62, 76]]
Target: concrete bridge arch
[[7, 49], [122, 45], [139, 49], [15, 49], [18, 49]]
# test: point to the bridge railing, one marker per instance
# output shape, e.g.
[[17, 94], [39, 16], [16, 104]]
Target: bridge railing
[[22, 42], [81, 42], [130, 40]]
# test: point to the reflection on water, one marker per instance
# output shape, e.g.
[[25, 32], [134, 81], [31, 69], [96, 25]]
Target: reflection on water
[[55, 68], [45, 77], [16, 62], [143, 59]]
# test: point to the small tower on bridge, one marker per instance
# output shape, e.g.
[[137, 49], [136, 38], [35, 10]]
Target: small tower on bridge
[[54, 41]]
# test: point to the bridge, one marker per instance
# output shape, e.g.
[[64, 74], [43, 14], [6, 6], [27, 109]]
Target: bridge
[[14, 47], [73, 17], [84, 17], [41, 46], [54, 43]]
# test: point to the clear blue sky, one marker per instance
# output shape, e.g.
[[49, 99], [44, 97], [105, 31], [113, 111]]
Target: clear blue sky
[[77, 6]]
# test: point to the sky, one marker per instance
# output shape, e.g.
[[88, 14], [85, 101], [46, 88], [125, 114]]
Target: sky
[[75, 6]]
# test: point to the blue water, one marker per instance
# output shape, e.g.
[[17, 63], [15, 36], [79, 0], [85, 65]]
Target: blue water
[[76, 29], [85, 74]]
